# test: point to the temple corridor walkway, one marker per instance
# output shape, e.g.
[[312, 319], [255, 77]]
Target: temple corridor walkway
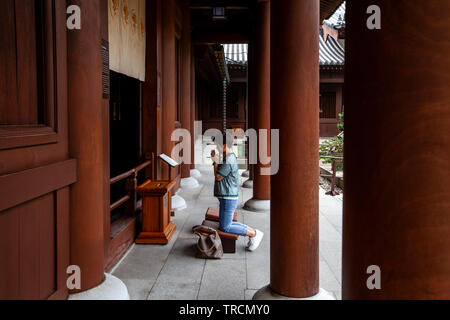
[[173, 272]]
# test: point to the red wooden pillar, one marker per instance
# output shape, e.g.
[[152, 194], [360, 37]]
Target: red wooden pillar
[[261, 103], [396, 213], [186, 78], [295, 111], [89, 144], [193, 108], [169, 79], [250, 107], [152, 98]]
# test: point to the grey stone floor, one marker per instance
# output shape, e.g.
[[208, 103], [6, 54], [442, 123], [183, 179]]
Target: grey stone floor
[[172, 271]]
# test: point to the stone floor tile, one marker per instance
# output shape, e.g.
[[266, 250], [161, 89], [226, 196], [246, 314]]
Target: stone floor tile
[[143, 262], [138, 289], [327, 279], [223, 280], [338, 295], [174, 289], [249, 294]]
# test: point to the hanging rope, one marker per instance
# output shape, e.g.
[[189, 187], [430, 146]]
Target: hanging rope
[[225, 83]]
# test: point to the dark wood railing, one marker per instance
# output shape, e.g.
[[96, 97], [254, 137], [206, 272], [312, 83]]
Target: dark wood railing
[[335, 161], [130, 199]]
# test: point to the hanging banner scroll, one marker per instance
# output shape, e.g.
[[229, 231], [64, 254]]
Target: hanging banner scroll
[[127, 37]]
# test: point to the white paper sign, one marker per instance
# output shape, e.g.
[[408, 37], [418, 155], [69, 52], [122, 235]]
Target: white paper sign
[[169, 160]]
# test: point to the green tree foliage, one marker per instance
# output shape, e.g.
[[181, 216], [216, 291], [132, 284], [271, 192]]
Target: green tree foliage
[[335, 146], [332, 147], [341, 124]]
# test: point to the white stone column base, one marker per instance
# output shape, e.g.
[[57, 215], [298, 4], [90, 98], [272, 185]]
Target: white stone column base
[[111, 289], [267, 294], [248, 184], [178, 203], [257, 205], [195, 173], [189, 183], [246, 174]]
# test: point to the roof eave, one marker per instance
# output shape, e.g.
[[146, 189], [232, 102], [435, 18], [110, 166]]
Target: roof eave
[[328, 8]]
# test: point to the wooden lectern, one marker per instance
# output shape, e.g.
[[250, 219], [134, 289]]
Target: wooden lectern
[[157, 227]]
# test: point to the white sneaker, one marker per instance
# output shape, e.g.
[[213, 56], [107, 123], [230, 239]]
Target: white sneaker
[[254, 243]]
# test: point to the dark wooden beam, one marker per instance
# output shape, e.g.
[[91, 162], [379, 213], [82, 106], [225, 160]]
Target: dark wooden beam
[[206, 65], [328, 7], [212, 37], [220, 3]]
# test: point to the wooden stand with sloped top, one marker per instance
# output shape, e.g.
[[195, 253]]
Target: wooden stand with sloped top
[[157, 227]]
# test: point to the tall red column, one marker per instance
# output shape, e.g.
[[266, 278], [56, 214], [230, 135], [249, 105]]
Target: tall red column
[[89, 144], [186, 78], [397, 131], [152, 99], [261, 103], [295, 112], [193, 108], [169, 80], [250, 111]]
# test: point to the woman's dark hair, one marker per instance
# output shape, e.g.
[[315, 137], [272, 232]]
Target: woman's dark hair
[[227, 138]]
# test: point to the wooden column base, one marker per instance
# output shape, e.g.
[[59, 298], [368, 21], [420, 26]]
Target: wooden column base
[[157, 237]]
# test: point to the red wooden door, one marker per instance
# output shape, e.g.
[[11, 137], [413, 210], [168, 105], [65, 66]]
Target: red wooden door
[[35, 168], [330, 108]]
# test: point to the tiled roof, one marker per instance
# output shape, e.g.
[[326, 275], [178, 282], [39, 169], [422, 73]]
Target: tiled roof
[[331, 53], [236, 53], [337, 20]]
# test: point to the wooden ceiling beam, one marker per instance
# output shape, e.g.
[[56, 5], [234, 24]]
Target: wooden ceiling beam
[[220, 3], [213, 37]]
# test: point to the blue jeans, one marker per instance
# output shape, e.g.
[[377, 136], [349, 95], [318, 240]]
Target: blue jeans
[[227, 210]]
